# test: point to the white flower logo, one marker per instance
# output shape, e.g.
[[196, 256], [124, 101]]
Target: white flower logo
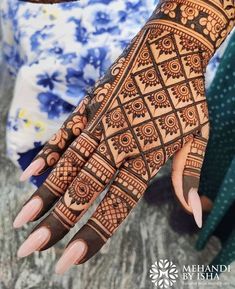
[[163, 273]]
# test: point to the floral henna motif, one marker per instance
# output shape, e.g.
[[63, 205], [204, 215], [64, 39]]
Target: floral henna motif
[[146, 108], [159, 99], [71, 128]]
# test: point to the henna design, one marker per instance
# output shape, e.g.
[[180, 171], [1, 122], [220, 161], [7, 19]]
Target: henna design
[[182, 93], [146, 108], [169, 124], [159, 99], [149, 78], [172, 69], [124, 142], [61, 140], [193, 165], [136, 108]]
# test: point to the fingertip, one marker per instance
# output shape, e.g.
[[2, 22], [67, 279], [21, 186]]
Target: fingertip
[[194, 202], [28, 212], [72, 255], [33, 169], [34, 242]]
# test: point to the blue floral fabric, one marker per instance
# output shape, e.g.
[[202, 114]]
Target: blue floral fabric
[[55, 53]]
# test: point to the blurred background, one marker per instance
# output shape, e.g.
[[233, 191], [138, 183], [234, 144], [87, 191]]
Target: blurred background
[[157, 228]]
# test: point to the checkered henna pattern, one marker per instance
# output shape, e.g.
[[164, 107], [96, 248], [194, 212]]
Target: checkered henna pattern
[[149, 104]]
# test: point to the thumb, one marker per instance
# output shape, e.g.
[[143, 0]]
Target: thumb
[[186, 170]]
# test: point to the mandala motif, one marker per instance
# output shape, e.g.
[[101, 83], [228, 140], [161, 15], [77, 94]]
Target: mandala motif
[[115, 118], [137, 165], [129, 89], [169, 123], [144, 58], [189, 116], [194, 62], [149, 78], [165, 45], [159, 99], [80, 192], [124, 142], [198, 85], [147, 133], [155, 159], [172, 69], [173, 148], [136, 108], [182, 93]]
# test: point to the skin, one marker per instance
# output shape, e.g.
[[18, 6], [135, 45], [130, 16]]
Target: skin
[[149, 106]]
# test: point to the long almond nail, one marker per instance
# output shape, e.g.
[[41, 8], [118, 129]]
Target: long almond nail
[[195, 203], [34, 242], [72, 255], [33, 169], [28, 212]]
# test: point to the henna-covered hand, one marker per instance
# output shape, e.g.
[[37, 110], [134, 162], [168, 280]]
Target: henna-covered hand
[[150, 106]]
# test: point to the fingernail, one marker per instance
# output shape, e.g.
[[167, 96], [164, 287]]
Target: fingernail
[[34, 242], [196, 206], [33, 169], [28, 212], [71, 255]]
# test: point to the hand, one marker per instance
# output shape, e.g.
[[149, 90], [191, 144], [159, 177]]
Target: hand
[[149, 106], [56, 146]]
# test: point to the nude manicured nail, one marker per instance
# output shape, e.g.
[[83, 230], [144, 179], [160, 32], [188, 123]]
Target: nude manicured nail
[[28, 212], [71, 255], [196, 206], [33, 169], [34, 242]]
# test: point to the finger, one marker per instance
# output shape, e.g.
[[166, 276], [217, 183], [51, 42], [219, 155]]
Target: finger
[[89, 183], [52, 151], [123, 195], [59, 179], [207, 203], [186, 170]]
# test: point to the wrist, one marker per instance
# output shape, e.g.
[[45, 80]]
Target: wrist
[[205, 24]]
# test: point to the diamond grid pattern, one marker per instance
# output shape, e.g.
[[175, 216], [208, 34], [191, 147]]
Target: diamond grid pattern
[[165, 86]]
